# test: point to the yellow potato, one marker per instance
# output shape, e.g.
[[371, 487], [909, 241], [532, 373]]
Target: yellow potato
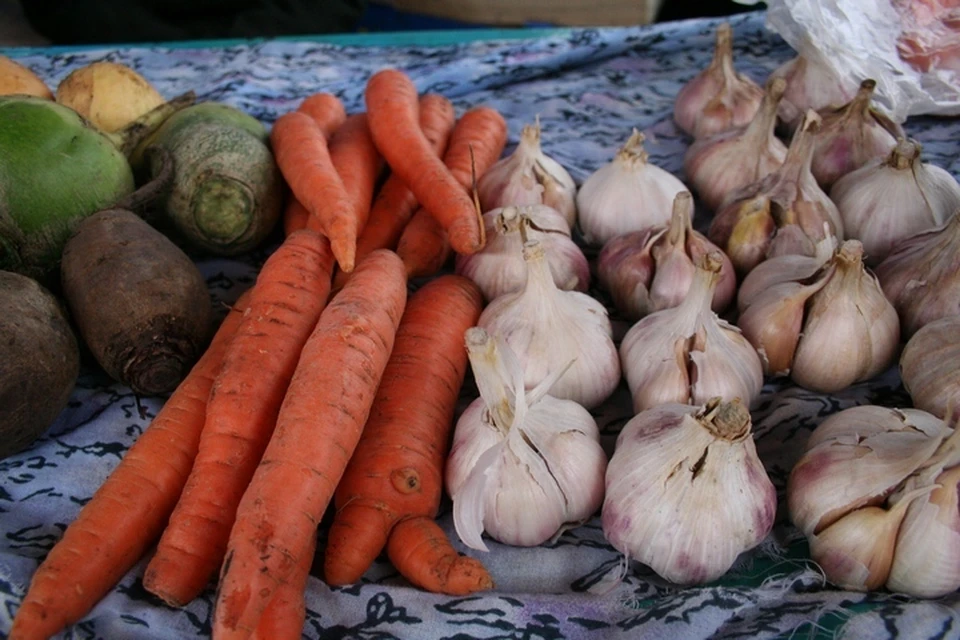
[[17, 79], [108, 94]]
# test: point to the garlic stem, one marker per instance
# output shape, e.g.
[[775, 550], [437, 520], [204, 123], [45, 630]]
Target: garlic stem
[[800, 152], [490, 372], [680, 223], [705, 279], [726, 420], [762, 127], [632, 152]]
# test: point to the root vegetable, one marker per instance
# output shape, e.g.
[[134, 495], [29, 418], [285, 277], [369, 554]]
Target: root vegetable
[[16, 79], [108, 94]]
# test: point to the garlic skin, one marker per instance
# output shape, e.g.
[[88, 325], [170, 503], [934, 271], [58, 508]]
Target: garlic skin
[[810, 85], [783, 213], [528, 176], [890, 199], [718, 97], [686, 492], [626, 194], [786, 268], [930, 367], [650, 270], [720, 164], [499, 267], [851, 136], [687, 354], [549, 328], [838, 309], [521, 466]]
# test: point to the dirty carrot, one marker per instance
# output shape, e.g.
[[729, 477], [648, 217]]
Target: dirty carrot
[[358, 163], [285, 304], [393, 110], [326, 110], [303, 156], [396, 471], [395, 203], [422, 553], [284, 617], [128, 512], [319, 425], [476, 143]]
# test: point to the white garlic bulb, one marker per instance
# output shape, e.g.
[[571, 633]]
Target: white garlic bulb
[[687, 354], [686, 492], [718, 165], [549, 328], [528, 176], [521, 466], [930, 367], [838, 309], [499, 267], [810, 85], [626, 194], [890, 199]]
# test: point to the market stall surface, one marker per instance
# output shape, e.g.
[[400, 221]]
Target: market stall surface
[[590, 88]]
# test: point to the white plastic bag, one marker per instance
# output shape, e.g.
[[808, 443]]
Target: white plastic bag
[[910, 47]]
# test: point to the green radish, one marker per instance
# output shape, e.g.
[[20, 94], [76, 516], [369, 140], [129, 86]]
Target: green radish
[[227, 190], [55, 169]]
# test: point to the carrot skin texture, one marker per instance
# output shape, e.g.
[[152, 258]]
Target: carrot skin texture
[[303, 155], [285, 304], [392, 107], [395, 203], [396, 471], [284, 617], [319, 425], [295, 216], [358, 163], [326, 110], [422, 553], [128, 512]]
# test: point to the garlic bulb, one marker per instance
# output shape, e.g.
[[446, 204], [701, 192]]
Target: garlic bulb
[[920, 276], [810, 85], [876, 495], [687, 354], [626, 194], [646, 271], [686, 492], [930, 367], [783, 213], [851, 136], [529, 176], [718, 97], [838, 310], [890, 199], [722, 163], [549, 328], [521, 466], [499, 267]]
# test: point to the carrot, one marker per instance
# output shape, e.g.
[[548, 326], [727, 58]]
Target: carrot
[[397, 470], [303, 156], [421, 552], [326, 110], [285, 304], [128, 512], [319, 425], [295, 216], [358, 163], [285, 615], [395, 203], [393, 110], [476, 143]]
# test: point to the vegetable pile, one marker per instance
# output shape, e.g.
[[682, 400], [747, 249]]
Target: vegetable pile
[[408, 257]]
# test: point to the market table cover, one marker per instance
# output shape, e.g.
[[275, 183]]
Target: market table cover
[[590, 88]]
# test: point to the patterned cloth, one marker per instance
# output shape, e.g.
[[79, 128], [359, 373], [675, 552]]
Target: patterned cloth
[[590, 87]]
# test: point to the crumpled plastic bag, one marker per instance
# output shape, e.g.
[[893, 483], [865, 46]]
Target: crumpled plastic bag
[[910, 47]]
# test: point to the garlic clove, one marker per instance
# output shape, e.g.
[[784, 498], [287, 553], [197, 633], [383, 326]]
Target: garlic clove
[[742, 229], [718, 97], [785, 268], [811, 84], [852, 318], [625, 268], [665, 378], [926, 562], [857, 458], [930, 367], [724, 364]]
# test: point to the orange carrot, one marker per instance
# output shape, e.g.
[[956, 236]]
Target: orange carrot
[[476, 143], [285, 615], [303, 156], [128, 512], [295, 216], [421, 552], [319, 425], [358, 163], [395, 203], [393, 110], [326, 110], [397, 470], [285, 304]]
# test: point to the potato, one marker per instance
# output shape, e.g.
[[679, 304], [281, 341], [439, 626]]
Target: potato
[[40, 363], [16, 79], [108, 94]]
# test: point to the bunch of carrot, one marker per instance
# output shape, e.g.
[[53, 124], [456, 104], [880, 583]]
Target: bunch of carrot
[[302, 399]]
